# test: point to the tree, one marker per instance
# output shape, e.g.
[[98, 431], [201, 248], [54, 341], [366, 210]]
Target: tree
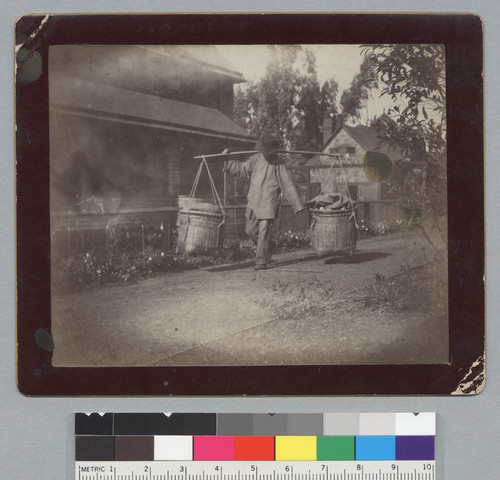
[[329, 93], [287, 101], [413, 76], [354, 99], [308, 107], [269, 105]]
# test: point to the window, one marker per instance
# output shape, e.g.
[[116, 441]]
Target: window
[[342, 150]]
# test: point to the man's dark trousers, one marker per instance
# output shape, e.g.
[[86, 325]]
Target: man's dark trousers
[[259, 232]]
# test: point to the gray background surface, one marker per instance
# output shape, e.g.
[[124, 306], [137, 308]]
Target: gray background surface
[[36, 434]]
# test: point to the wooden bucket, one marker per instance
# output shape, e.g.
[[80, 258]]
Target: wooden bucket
[[333, 231], [200, 233]]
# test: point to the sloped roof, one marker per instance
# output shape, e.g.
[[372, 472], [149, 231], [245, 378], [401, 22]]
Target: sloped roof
[[370, 139], [207, 56], [81, 97], [367, 137]]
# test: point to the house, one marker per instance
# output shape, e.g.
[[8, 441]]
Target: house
[[377, 202], [125, 124]]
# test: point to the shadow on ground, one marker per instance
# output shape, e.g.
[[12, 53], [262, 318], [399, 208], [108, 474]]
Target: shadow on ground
[[273, 264], [360, 257]]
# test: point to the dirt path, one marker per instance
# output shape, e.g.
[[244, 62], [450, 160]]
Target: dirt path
[[225, 317]]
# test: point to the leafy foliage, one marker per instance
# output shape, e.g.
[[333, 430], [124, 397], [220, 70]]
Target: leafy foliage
[[354, 98], [127, 265], [291, 240], [286, 101], [329, 97], [133, 250], [414, 78]]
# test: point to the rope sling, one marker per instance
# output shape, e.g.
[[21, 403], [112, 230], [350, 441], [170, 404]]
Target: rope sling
[[215, 195], [318, 217]]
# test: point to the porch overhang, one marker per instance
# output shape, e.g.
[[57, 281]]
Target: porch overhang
[[82, 98]]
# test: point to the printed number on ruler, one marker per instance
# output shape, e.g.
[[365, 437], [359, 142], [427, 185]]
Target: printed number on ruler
[[303, 470]]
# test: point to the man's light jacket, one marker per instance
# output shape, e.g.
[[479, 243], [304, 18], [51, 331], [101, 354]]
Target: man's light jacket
[[267, 181]]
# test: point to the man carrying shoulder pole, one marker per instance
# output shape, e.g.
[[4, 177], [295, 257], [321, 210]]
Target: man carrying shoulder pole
[[268, 179]]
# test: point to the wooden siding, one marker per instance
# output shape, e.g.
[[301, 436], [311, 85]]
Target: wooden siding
[[375, 213]]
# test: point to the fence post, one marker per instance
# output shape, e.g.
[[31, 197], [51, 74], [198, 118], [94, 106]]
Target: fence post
[[166, 232]]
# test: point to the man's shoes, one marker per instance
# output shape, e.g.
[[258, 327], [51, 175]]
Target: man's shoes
[[260, 266]]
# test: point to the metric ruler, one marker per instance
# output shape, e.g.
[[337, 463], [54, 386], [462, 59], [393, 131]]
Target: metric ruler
[[304, 470], [210, 446]]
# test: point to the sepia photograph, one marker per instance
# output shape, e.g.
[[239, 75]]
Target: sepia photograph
[[248, 205]]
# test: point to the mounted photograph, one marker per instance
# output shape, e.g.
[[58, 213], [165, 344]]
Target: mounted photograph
[[247, 204]]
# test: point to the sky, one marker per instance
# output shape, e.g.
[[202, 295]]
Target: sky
[[339, 61]]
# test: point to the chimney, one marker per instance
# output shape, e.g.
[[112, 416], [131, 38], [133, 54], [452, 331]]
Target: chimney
[[327, 129]]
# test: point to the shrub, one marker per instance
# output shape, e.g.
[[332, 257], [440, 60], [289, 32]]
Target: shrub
[[237, 250], [366, 229], [132, 234], [106, 268], [292, 240], [126, 264], [133, 250]]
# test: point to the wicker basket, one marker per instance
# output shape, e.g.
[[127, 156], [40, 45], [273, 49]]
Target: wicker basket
[[200, 233], [333, 231]]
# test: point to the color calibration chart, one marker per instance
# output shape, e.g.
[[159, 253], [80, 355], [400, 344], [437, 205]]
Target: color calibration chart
[[245, 446]]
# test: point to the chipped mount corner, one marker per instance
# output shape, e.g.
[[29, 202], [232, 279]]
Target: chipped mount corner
[[474, 381]]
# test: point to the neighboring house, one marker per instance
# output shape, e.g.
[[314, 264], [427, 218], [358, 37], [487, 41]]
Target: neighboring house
[[377, 202], [125, 123]]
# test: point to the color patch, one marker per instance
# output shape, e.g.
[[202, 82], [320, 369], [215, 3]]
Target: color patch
[[149, 424], [375, 448], [377, 424], [200, 424], [295, 448], [213, 448], [172, 447], [234, 424], [93, 424], [254, 448], [336, 448], [416, 423], [134, 448], [163, 424], [305, 424], [269, 425], [94, 448], [415, 448], [341, 424]]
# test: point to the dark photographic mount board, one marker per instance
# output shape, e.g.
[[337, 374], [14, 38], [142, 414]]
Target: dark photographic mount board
[[462, 36]]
